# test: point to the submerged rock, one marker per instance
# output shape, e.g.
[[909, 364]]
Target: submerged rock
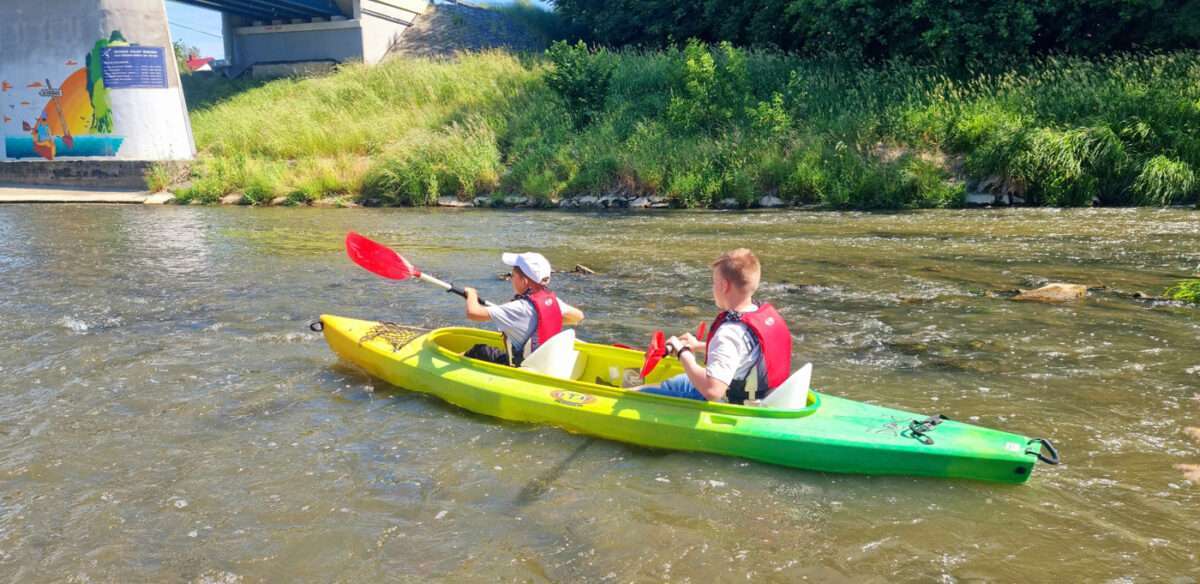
[[771, 202], [233, 199], [1053, 293], [160, 199]]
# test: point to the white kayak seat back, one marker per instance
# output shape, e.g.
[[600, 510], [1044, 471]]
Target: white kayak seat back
[[793, 394], [555, 357]]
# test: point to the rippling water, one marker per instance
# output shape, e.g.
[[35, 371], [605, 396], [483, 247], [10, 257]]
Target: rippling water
[[166, 416]]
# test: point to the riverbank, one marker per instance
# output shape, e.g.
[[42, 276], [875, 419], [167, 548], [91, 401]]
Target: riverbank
[[701, 127]]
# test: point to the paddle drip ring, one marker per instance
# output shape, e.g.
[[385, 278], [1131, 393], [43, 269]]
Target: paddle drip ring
[[397, 335]]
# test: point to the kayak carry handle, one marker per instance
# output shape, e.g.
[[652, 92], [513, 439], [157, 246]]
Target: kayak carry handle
[[1044, 444], [316, 326]]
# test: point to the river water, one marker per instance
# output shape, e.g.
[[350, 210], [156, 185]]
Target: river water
[[166, 416]]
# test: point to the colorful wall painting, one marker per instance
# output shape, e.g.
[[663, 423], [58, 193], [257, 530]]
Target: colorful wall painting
[[75, 117]]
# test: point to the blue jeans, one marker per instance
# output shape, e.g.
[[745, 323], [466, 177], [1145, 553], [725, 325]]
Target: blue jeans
[[678, 386]]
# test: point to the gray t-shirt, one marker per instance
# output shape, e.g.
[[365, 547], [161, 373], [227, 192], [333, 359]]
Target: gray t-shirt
[[516, 319]]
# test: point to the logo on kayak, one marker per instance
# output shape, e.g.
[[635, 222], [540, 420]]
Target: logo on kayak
[[770, 320], [572, 398], [549, 301]]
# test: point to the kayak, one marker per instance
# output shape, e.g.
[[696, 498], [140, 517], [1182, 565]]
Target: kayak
[[828, 434]]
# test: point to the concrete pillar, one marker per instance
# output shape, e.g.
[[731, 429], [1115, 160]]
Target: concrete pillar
[[90, 80]]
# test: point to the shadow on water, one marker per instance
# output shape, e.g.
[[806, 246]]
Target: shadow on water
[[540, 484]]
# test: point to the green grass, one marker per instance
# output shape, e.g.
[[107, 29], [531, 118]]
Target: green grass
[[1185, 291], [703, 124]]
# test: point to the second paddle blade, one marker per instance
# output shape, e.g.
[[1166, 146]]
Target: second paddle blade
[[654, 353], [378, 258]]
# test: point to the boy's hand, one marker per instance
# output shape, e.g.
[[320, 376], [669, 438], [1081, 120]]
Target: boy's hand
[[673, 346], [691, 342], [472, 294]]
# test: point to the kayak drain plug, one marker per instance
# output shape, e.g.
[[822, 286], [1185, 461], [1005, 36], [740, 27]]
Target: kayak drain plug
[[316, 326]]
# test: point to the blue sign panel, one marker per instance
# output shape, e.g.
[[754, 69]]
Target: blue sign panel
[[133, 67]]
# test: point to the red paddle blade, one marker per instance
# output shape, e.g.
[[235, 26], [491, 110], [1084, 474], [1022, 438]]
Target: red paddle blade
[[654, 353], [378, 258], [700, 330]]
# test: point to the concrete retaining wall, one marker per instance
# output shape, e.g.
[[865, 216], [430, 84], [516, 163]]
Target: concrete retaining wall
[[110, 174]]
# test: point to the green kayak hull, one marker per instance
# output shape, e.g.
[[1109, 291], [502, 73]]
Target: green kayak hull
[[831, 434]]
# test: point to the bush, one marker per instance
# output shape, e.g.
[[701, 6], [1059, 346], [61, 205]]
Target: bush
[[580, 78], [461, 161], [1164, 181], [1068, 168], [711, 88]]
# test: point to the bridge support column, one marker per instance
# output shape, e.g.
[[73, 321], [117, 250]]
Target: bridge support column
[[89, 80]]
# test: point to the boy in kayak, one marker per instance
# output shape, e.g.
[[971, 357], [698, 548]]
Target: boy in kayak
[[749, 349], [529, 319]]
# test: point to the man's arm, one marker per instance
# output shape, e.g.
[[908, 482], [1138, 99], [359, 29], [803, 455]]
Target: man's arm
[[476, 311]]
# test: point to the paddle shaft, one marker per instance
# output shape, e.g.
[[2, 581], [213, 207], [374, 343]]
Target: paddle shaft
[[461, 292], [449, 287]]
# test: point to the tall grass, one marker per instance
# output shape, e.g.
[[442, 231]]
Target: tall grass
[[705, 125]]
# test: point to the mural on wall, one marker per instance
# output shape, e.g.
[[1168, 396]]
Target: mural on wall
[[75, 116]]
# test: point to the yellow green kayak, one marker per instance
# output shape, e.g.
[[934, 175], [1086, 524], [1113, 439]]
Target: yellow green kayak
[[830, 434]]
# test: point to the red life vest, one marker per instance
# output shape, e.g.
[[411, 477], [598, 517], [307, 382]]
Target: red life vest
[[549, 315], [774, 341]]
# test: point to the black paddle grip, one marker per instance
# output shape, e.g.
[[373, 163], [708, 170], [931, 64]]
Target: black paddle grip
[[456, 289]]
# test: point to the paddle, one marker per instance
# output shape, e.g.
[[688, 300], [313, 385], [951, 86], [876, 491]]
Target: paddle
[[658, 348], [654, 353], [382, 260]]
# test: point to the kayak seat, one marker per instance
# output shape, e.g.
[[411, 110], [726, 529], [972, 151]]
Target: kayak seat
[[556, 357], [793, 394]]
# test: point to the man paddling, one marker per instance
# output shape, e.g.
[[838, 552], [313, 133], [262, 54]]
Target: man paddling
[[749, 349], [529, 319]]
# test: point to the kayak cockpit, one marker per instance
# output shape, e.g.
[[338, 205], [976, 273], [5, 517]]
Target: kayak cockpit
[[600, 369]]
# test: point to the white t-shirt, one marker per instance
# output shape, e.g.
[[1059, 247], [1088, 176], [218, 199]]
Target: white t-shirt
[[733, 352], [516, 319]]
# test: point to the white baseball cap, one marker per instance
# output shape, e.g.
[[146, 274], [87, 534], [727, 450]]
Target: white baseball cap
[[534, 265]]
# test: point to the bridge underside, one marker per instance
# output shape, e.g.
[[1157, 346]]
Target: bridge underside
[[269, 10], [287, 37]]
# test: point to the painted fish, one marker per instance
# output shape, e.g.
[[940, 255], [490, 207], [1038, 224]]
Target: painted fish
[[35, 85], [72, 62], [5, 86], [25, 103], [7, 119]]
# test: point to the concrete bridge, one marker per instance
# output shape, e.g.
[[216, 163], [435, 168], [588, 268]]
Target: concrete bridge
[[89, 89], [273, 37]]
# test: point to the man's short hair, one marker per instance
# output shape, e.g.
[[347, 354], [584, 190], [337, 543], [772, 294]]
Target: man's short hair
[[739, 267]]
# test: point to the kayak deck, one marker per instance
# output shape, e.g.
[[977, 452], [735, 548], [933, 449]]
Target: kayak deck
[[830, 434]]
